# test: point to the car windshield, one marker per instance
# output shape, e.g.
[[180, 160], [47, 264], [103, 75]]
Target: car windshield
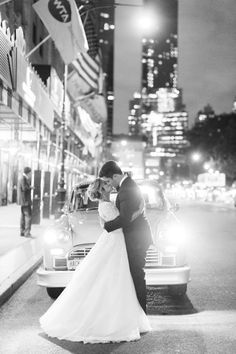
[[80, 199], [153, 196]]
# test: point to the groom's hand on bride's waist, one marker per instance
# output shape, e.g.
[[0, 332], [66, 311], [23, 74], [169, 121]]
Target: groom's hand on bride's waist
[[112, 225]]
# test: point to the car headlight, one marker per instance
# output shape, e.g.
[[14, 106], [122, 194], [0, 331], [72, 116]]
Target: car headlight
[[175, 234], [57, 251], [51, 236]]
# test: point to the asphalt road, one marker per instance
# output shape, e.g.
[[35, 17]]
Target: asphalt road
[[203, 321]]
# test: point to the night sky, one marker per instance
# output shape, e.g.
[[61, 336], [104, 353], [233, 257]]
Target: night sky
[[207, 57]]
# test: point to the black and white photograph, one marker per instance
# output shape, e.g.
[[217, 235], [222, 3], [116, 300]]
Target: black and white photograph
[[117, 177]]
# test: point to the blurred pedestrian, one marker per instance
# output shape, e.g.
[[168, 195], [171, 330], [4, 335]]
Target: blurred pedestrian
[[14, 194], [25, 202]]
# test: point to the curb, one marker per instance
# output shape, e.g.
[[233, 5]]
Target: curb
[[17, 265]]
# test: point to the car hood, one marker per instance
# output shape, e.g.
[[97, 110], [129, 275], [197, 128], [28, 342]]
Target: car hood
[[85, 226]]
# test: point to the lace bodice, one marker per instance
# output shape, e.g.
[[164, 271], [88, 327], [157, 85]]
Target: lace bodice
[[107, 210]]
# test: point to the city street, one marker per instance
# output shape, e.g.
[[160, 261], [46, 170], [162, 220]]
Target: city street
[[203, 321]]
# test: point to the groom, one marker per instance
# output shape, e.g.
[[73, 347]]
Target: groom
[[137, 233]]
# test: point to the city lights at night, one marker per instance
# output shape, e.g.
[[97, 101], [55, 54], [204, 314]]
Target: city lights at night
[[117, 176]]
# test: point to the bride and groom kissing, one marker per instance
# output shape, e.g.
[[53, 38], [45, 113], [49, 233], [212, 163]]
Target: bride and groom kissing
[[105, 301]]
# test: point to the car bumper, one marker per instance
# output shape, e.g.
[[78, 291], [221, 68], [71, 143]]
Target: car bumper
[[53, 279], [153, 276], [167, 276]]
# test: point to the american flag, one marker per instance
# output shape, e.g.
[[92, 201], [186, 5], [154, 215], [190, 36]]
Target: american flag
[[88, 65]]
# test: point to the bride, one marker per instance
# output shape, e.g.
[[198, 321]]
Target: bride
[[99, 305]]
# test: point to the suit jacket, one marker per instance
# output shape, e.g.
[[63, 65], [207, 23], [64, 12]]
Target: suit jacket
[[25, 192], [137, 233]]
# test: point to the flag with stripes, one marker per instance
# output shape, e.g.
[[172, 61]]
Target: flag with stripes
[[89, 69], [89, 65]]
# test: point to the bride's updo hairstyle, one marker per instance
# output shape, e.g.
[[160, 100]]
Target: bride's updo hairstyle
[[95, 188]]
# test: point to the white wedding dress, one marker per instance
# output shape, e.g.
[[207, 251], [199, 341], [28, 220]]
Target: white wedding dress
[[99, 305]]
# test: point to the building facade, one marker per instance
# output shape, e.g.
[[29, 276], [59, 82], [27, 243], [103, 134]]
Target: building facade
[[106, 31], [31, 97]]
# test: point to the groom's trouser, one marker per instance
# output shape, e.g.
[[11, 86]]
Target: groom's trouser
[[136, 263]]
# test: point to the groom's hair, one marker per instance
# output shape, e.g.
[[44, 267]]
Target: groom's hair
[[109, 169]]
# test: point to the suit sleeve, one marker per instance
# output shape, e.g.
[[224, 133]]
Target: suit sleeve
[[24, 185], [129, 203]]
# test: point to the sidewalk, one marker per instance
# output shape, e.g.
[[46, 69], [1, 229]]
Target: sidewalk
[[18, 255]]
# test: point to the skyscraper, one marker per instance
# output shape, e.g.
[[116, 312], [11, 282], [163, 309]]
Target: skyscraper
[[160, 50], [106, 41], [157, 111]]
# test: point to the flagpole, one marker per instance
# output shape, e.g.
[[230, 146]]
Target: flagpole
[[61, 191], [37, 46], [5, 2], [105, 6]]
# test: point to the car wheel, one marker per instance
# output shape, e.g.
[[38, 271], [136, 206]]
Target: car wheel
[[178, 290], [54, 292]]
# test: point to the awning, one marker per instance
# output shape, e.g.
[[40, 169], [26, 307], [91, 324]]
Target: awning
[[17, 116], [25, 105]]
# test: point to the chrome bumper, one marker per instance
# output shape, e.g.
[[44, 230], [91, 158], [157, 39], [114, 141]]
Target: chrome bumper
[[167, 276], [153, 276], [53, 278]]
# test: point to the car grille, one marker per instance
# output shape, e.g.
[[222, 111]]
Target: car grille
[[152, 258], [155, 258], [169, 261], [79, 252], [59, 263]]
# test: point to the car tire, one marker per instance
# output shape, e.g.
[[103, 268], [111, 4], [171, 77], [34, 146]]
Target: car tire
[[178, 290], [54, 292]]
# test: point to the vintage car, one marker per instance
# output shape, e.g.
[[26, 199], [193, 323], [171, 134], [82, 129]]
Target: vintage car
[[74, 234]]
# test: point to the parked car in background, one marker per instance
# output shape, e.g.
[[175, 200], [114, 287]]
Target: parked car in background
[[75, 233]]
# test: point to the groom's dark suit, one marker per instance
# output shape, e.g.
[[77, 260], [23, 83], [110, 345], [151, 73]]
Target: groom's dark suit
[[137, 234]]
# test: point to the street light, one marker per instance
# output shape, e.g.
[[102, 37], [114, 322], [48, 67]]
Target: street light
[[206, 166], [195, 167], [196, 156], [146, 20]]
